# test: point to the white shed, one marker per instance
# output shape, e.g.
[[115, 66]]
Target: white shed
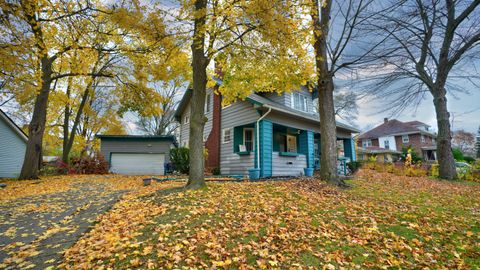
[[13, 143]]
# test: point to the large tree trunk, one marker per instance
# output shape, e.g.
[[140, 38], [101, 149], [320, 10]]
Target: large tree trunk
[[196, 178], [328, 161], [66, 122], [444, 138], [31, 163]]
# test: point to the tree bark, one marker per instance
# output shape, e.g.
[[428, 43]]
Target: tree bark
[[33, 153], [66, 122], [446, 161], [196, 178], [326, 108]]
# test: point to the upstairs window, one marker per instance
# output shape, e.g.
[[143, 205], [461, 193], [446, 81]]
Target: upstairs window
[[405, 139], [387, 144], [186, 120], [227, 135], [207, 103], [299, 102], [367, 143], [422, 137]]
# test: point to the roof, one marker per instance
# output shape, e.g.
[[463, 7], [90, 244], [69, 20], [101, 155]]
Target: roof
[[393, 127], [13, 126], [376, 150], [138, 137], [416, 123], [263, 101]]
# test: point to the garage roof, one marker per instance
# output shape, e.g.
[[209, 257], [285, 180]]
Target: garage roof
[[139, 137]]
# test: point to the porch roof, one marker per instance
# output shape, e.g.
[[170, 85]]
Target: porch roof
[[265, 102]]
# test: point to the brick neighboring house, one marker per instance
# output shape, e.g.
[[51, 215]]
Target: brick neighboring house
[[393, 135]]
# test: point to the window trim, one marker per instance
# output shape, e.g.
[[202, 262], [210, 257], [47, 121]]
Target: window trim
[[422, 138], [407, 138], [253, 138], [302, 99], [365, 144], [186, 119], [223, 135], [207, 102], [287, 144], [386, 144]]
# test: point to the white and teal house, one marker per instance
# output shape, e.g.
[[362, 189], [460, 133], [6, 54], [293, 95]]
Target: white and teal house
[[279, 135]]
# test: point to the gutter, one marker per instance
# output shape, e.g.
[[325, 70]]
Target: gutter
[[258, 134]]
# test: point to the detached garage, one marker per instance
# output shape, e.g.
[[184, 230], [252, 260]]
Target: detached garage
[[136, 154]]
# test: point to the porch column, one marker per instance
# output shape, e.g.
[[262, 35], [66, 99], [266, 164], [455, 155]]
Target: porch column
[[266, 148], [307, 147], [349, 146]]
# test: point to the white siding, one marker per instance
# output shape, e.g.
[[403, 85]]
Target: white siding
[[288, 166], [12, 151], [237, 114], [185, 127], [391, 142]]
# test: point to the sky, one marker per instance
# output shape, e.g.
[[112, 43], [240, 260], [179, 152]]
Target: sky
[[464, 109]]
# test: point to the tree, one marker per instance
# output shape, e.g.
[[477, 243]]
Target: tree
[[163, 123], [431, 48], [464, 141], [330, 56], [230, 29], [477, 144]]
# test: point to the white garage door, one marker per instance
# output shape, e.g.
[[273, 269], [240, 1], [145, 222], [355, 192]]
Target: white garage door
[[137, 164]]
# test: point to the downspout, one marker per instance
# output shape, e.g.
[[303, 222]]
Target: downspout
[[258, 134]]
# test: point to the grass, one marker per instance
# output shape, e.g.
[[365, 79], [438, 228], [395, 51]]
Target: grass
[[383, 221]]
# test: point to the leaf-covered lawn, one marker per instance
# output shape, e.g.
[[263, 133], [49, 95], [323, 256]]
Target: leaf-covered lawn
[[383, 221]]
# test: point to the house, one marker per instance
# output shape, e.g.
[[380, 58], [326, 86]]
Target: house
[[13, 144], [137, 154], [393, 135], [380, 154], [284, 126]]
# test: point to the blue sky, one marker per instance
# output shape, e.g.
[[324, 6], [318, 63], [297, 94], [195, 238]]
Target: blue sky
[[464, 109]]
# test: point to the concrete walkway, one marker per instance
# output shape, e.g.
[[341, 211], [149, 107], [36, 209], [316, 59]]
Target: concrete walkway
[[34, 231]]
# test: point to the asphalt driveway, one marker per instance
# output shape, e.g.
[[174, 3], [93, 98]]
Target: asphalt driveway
[[35, 230]]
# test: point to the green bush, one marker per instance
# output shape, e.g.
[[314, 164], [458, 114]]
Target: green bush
[[468, 159], [354, 166], [457, 154], [180, 159]]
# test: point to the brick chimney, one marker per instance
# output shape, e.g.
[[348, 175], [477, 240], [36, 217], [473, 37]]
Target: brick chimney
[[213, 141], [385, 120]]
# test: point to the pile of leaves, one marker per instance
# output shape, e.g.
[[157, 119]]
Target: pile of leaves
[[383, 221]]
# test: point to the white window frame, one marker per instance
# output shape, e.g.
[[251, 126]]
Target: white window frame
[[253, 138], [405, 138], [386, 144], [207, 102], [294, 144], [422, 138], [229, 136], [302, 99], [366, 143], [186, 119]]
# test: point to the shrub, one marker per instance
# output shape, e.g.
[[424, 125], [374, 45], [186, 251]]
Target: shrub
[[434, 170], [457, 154], [180, 159], [95, 164], [468, 159], [353, 166], [414, 155]]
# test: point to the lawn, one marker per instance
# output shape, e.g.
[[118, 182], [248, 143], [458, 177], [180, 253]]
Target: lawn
[[383, 221]]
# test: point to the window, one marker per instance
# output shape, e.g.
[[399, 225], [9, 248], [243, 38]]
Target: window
[[186, 120], [299, 102], [387, 144], [367, 143], [405, 139], [227, 135], [422, 138], [207, 103], [291, 143], [248, 140]]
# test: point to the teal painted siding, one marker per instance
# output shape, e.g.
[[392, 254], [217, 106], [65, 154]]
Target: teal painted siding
[[349, 148], [266, 148], [12, 151], [307, 147]]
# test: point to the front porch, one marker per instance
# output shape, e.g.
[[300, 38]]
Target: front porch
[[285, 151]]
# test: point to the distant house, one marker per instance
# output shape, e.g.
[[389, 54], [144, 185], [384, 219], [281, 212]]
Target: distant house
[[288, 131], [13, 144], [392, 135], [137, 154]]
